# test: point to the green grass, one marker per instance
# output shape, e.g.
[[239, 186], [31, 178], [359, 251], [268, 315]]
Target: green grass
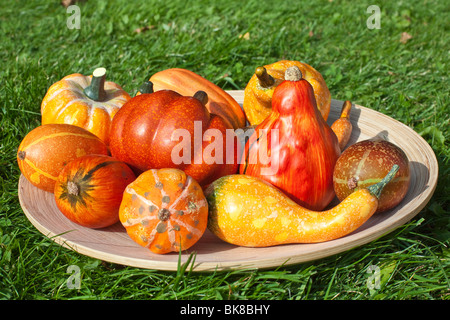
[[407, 81]]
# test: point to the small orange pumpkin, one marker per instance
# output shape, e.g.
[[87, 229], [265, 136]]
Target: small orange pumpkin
[[45, 150], [164, 210], [89, 190], [259, 90], [89, 102]]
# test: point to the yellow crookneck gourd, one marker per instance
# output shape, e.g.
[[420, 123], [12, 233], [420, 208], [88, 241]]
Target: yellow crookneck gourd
[[247, 211]]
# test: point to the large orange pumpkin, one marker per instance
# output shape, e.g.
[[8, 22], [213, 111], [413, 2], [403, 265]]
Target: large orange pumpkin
[[164, 210], [89, 190], [89, 102], [164, 129], [259, 90], [45, 150], [187, 83]]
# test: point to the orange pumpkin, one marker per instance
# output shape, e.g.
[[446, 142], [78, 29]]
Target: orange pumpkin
[[187, 83], [164, 210], [259, 90], [89, 102], [89, 190], [45, 150], [146, 133]]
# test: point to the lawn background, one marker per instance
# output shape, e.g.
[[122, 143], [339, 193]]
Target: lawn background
[[400, 70]]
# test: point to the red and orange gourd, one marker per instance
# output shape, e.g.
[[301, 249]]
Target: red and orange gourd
[[302, 158]]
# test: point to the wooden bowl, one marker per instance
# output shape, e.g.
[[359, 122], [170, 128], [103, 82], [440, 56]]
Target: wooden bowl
[[112, 244]]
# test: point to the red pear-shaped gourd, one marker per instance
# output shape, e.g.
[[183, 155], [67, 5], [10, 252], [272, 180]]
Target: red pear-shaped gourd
[[294, 148]]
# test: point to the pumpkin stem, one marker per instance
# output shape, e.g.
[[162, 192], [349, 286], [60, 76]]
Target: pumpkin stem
[[376, 189], [346, 108], [22, 155], [96, 90], [147, 87], [201, 96], [293, 74], [265, 79], [72, 188], [163, 214]]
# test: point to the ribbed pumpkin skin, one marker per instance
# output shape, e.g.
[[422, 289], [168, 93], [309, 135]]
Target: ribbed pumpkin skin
[[307, 149], [187, 83], [141, 135], [89, 190], [258, 100], [66, 102], [164, 210], [45, 151]]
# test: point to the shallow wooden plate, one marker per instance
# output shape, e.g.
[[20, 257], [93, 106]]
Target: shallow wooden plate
[[112, 244]]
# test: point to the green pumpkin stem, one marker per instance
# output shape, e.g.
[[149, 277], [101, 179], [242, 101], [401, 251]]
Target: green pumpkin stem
[[376, 189], [96, 90], [147, 87], [265, 79]]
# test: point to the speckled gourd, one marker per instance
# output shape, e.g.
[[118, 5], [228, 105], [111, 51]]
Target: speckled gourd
[[248, 211]]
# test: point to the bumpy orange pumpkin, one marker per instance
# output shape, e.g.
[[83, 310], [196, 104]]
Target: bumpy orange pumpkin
[[89, 190], [187, 83], [164, 210], [45, 151], [259, 90], [89, 102]]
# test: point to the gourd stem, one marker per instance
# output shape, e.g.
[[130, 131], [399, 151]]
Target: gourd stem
[[346, 108], [22, 155], [265, 79], [163, 214], [72, 188], [201, 96], [376, 189], [293, 74], [96, 90], [147, 87]]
